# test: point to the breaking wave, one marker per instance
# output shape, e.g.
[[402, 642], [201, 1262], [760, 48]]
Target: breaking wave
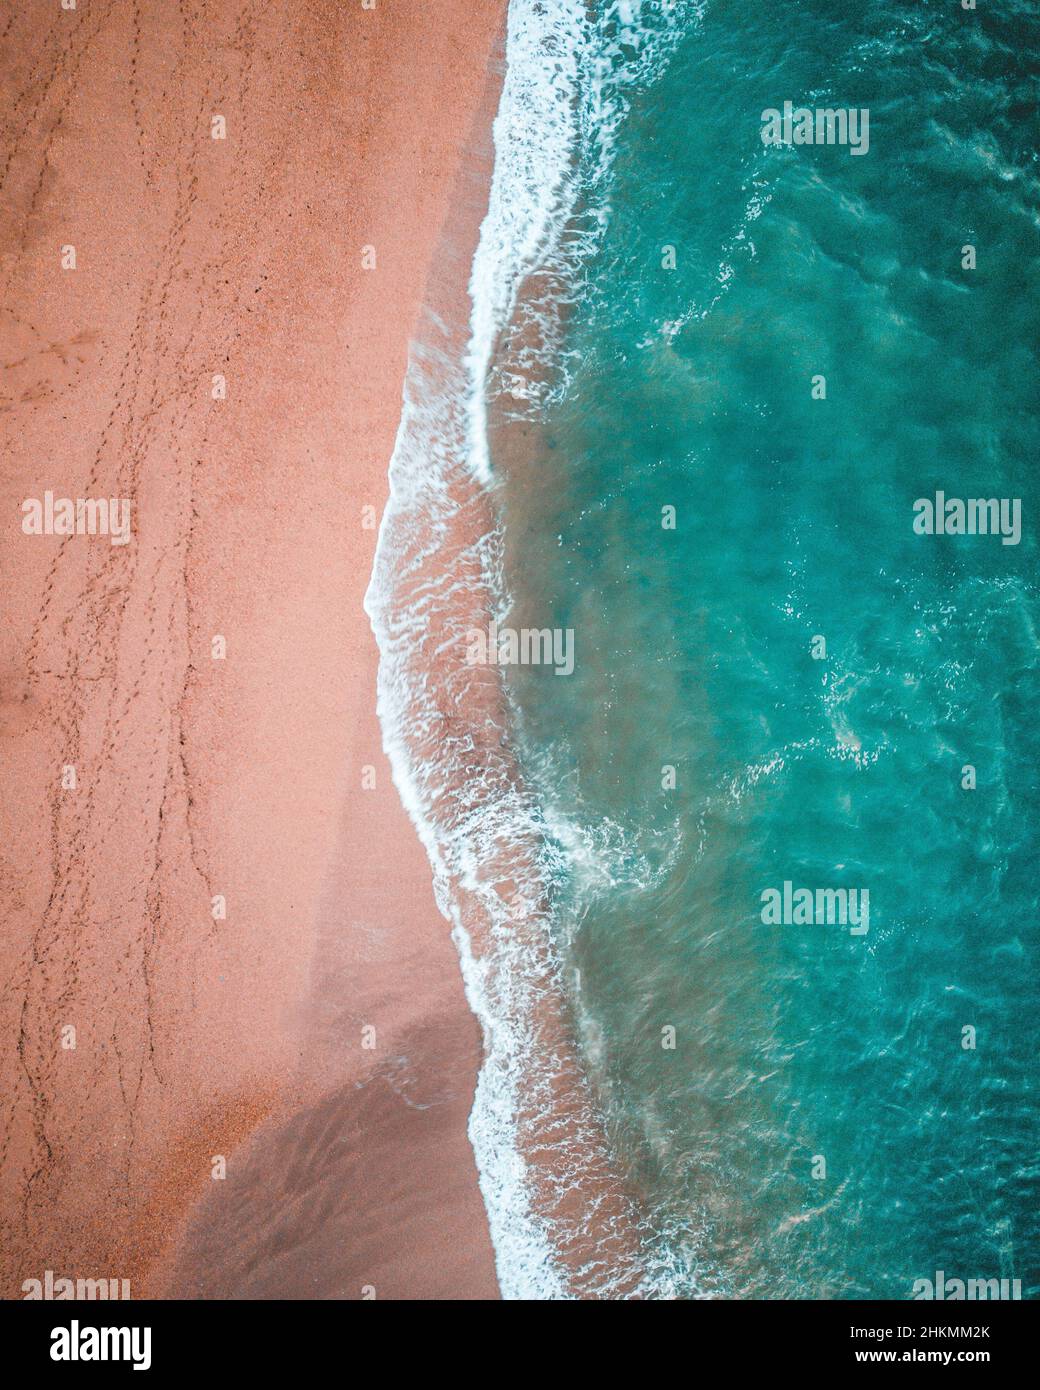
[[560, 1224]]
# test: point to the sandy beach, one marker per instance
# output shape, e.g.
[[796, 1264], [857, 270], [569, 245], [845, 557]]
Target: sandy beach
[[238, 1061]]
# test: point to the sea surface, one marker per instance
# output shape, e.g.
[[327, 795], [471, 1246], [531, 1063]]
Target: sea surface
[[705, 382]]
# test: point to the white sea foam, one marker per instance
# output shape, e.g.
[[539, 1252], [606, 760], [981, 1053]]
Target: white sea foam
[[438, 561]]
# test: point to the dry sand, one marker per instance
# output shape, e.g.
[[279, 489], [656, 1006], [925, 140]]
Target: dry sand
[[347, 1168]]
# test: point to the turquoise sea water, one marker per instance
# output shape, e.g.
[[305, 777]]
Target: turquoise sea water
[[820, 1128]]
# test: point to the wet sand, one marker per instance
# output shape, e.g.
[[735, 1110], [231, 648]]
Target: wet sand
[[243, 776]]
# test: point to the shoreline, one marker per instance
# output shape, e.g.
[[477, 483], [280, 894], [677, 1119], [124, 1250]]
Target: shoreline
[[238, 1037], [449, 724]]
